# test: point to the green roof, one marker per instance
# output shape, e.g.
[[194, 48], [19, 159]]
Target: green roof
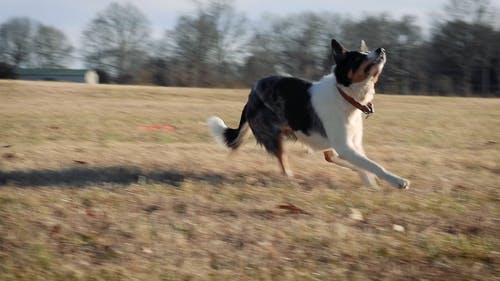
[[51, 72]]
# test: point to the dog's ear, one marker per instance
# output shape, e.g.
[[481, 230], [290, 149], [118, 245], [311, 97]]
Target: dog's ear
[[338, 51], [363, 48]]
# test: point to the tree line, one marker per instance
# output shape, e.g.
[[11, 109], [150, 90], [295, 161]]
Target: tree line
[[217, 46]]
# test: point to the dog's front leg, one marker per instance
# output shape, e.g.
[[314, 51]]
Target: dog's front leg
[[346, 151], [368, 179], [333, 157]]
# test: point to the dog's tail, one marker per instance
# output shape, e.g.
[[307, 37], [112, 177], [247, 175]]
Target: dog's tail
[[231, 138]]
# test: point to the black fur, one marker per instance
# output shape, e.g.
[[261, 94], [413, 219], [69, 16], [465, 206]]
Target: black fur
[[349, 61], [345, 61], [231, 135], [276, 103]]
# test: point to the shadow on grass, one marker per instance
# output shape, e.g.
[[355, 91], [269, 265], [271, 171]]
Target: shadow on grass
[[87, 176]]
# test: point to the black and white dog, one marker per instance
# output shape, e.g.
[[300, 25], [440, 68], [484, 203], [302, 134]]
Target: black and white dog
[[326, 115]]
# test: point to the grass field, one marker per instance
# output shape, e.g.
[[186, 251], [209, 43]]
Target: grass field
[[87, 194]]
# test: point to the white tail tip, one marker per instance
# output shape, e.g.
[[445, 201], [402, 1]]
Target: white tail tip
[[217, 128]]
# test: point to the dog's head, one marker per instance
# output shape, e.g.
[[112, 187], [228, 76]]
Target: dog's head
[[357, 66]]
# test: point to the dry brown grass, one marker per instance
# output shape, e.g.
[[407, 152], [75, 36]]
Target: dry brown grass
[[86, 195]]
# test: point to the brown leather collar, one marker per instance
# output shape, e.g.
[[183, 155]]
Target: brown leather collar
[[366, 109]]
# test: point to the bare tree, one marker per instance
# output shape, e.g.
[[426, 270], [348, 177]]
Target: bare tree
[[194, 39], [296, 44], [303, 44], [207, 46], [15, 41], [117, 41], [51, 48], [471, 11], [401, 37], [263, 59], [231, 37]]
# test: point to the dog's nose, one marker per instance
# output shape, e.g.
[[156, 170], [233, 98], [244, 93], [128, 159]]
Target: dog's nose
[[380, 51]]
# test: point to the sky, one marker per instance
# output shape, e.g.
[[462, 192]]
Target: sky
[[71, 16]]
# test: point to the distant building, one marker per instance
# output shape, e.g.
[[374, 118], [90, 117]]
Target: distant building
[[58, 74]]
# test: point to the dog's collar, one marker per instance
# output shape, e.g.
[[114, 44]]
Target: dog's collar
[[366, 109]]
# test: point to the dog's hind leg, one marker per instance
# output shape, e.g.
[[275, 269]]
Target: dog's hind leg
[[269, 132], [271, 138], [283, 160]]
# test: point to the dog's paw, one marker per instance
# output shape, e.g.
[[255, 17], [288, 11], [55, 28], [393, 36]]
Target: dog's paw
[[404, 184], [399, 182]]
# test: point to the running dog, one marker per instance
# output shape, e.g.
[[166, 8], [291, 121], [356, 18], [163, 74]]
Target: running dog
[[326, 115]]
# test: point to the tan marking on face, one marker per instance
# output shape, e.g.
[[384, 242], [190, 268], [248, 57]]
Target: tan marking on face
[[361, 75]]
